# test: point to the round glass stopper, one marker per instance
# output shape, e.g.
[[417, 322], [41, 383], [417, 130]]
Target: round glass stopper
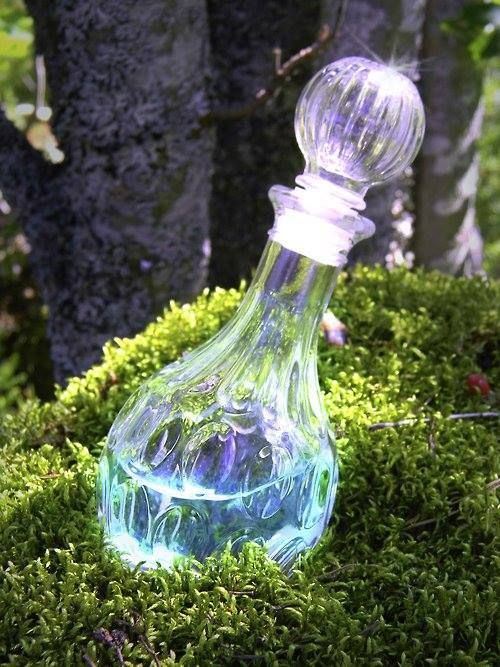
[[358, 123]]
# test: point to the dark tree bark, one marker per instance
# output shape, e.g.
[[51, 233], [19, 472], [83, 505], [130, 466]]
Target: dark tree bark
[[23, 168], [388, 30], [256, 152], [447, 237], [122, 225]]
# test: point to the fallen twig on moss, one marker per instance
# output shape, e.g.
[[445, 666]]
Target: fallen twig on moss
[[333, 574], [370, 629], [135, 634], [426, 522], [411, 420], [493, 485], [113, 640], [52, 474]]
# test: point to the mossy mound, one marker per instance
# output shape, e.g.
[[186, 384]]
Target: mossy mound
[[406, 573]]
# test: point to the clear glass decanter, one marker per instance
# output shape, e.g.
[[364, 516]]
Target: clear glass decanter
[[231, 443]]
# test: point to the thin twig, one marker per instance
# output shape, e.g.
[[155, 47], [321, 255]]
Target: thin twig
[[427, 420], [402, 422], [370, 629], [332, 574], [51, 475], [432, 443], [40, 81], [475, 415], [493, 485], [281, 74], [148, 647], [142, 638], [426, 522], [113, 640]]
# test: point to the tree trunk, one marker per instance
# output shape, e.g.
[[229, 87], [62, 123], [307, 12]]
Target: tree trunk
[[389, 31], [255, 152], [122, 225], [447, 237]]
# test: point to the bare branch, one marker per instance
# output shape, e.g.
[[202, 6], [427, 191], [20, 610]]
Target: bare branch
[[22, 168], [282, 73], [426, 420]]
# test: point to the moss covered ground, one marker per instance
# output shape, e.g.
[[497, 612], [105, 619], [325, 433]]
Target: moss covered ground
[[407, 572]]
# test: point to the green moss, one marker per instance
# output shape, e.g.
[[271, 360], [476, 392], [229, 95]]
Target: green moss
[[406, 573]]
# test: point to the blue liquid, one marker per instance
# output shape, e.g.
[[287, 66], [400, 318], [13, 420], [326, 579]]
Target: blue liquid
[[157, 520]]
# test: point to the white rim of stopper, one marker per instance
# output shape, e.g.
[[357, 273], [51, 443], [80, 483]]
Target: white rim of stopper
[[318, 223]]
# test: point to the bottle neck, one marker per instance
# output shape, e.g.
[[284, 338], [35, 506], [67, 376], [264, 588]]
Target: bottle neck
[[297, 285], [267, 352], [269, 349], [270, 346], [283, 306]]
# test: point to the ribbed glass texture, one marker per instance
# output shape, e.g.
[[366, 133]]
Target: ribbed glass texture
[[358, 123], [230, 443]]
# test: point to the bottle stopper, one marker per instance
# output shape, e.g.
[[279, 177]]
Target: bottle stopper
[[358, 123]]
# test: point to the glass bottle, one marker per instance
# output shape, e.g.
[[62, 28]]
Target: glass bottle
[[231, 443]]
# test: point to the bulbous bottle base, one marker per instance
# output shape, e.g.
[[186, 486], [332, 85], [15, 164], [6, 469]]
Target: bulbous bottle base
[[155, 527], [229, 444]]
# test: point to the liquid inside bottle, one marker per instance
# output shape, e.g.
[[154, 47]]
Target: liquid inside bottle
[[230, 444], [157, 523]]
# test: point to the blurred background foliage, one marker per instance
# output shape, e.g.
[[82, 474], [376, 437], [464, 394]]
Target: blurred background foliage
[[25, 368], [488, 196], [17, 84]]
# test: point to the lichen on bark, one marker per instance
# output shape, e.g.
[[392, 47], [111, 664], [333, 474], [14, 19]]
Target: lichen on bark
[[122, 226]]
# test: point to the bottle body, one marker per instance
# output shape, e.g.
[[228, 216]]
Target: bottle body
[[231, 443]]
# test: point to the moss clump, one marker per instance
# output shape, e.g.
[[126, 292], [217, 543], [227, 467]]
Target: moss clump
[[406, 572]]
